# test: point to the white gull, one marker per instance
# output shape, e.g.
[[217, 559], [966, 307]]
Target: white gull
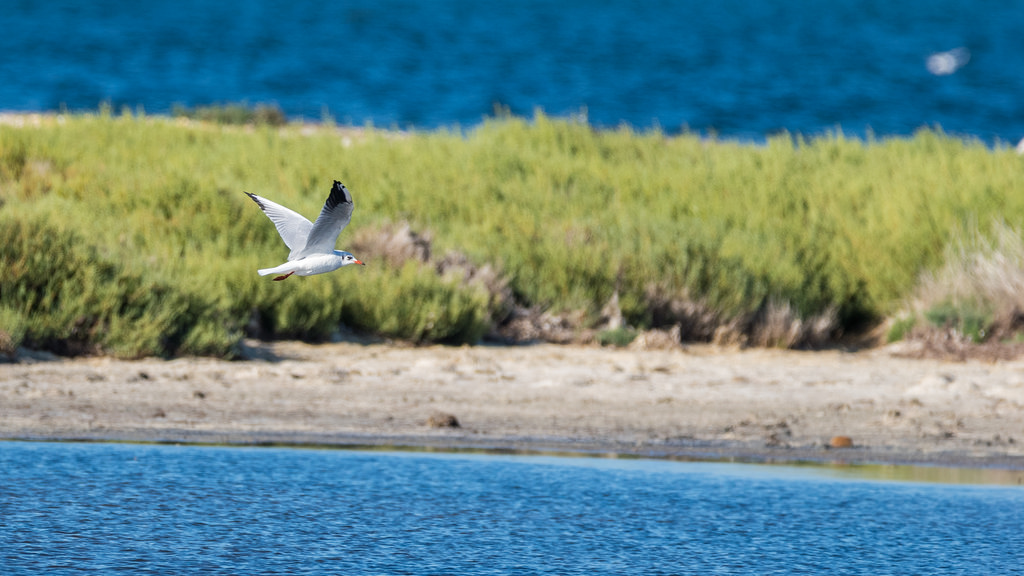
[[311, 244]]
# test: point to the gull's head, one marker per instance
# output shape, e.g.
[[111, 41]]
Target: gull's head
[[347, 258]]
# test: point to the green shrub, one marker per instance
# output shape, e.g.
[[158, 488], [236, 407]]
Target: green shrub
[[901, 328], [619, 337], [12, 330], [414, 304], [59, 293], [238, 114], [161, 246], [968, 320]]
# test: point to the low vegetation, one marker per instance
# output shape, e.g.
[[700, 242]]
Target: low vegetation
[[976, 296], [237, 114], [130, 235]]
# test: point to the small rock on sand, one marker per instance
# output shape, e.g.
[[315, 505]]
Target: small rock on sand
[[841, 442], [443, 420]]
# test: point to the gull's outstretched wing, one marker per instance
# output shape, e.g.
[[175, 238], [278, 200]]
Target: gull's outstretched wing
[[336, 213], [293, 227]]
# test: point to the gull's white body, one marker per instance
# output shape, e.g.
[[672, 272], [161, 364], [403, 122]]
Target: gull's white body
[[310, 265], [311, 244]]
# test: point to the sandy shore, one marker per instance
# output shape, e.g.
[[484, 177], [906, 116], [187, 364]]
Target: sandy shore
[[698, 402]]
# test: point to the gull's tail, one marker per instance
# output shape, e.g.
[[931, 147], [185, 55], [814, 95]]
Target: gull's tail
[[282, 269]]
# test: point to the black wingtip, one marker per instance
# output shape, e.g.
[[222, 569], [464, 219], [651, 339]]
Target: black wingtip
[[339, 195], [255, 199]]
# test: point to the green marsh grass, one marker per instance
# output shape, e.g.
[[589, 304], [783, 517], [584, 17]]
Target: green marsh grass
[[156, 246], [618, 337], [260, 115]]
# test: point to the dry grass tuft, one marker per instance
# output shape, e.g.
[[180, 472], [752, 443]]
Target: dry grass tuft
[[534, 325], [951, 346], [977, 295], [7, 344], [696, 320], [778, 325], [394, 244], [658, 339]]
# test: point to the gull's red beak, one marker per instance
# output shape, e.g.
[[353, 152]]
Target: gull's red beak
[[360, 262]]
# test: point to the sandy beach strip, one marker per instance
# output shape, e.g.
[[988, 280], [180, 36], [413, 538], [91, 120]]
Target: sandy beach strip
[[697, 402]]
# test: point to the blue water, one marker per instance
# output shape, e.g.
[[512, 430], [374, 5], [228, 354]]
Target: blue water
[[743, 68], [100, 508]]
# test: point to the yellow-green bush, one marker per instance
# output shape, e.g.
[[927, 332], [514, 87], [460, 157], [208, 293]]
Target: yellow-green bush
[[568, 214], [60, 293]]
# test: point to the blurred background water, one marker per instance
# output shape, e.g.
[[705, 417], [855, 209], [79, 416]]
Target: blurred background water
[[736, 68], [99, 508]]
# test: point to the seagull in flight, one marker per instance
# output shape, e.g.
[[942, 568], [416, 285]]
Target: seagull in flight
[[311, 244]]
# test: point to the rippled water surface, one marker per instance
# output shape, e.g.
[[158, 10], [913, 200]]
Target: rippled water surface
[[92, 508], [733, 67]]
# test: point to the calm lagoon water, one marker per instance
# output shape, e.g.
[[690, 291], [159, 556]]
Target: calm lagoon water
[[100, 508], [742, 68]]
